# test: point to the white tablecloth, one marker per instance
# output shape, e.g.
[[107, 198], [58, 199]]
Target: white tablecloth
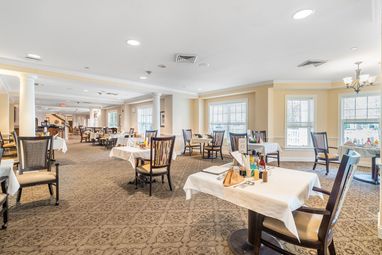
[[264, 148], [6, 169], [128, 141], [60, 144], [365, 152], [131, 154], [285, 191]]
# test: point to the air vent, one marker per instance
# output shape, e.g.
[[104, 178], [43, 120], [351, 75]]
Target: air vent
[[314, 63], [186, 58]]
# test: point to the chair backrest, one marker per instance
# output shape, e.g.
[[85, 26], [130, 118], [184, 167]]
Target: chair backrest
[[161, 151], [187, 135], [218, 138], [234, 140], [1, 140], [150, 133], [337, 197], [131, 132], [320, 142], [1, 153], [16, 140], [35, 153], [257, 135]]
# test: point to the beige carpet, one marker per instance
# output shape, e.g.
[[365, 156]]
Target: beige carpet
[[101, 214]]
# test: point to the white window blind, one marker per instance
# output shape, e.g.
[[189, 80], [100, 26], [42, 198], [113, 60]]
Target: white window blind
[[112, 119], [145, 119], [228, 116], [299, 121]]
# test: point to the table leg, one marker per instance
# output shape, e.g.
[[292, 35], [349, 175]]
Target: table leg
[[242, 240], [373, 178]]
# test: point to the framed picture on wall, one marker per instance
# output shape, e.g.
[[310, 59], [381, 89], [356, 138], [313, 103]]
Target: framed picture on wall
[[162, 118]]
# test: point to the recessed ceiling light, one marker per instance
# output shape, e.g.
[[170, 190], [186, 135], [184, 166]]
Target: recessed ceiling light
[[200, 89], [204, 65], [143, 77], [354, 48], [86, 67], [33, 56], [162, 66], [302, 14], [133, 42], [85, 90]]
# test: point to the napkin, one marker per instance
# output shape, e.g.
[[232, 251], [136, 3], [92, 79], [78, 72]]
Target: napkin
[[232, 178]]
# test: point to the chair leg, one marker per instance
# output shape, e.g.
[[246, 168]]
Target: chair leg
[[19, 195], [278, 158], [221, 154], [57, 192], [5, 214], [151, 183], [321, 251], [327, 167], [162, 178], [50, 189], [332, 249], [136, 180], [184, 151], [169, 181], [190, 149], [315, 164]]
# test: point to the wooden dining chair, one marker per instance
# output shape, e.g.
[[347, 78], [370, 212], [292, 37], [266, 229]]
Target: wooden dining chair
[[234, 141], [84, 136], [161, 150], [35, 165], [321, 150], [187, 139], [150, 133], [8, 147], [216, 145], [314, 225], [262, 136]]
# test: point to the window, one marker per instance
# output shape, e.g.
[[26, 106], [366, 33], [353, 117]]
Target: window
[[360, 117], [145, 119], [299, 121], [112, 119], [231, 117]]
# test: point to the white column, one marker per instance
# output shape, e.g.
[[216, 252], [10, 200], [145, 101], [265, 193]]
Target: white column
[[156, 112], [27, 105], [4, 114], [200, 116], [126, 118]]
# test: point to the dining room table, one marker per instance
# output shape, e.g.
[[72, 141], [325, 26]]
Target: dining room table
[[368, 151], [264, 147], [6, 169], [285, 191]]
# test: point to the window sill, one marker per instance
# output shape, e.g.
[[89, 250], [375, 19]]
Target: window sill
[[298, 148]]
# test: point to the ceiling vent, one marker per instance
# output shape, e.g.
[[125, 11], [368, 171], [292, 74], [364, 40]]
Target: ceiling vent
[[311, 62], [186, 58]]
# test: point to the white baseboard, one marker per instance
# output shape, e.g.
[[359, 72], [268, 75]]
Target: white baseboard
[[297, 159]]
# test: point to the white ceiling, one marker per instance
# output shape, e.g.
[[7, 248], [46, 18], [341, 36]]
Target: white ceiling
[[244, 41]]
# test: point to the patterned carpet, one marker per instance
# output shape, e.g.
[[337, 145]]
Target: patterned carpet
[[100, 213]]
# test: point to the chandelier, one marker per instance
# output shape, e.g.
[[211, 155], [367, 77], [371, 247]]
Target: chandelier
[[361, 80]]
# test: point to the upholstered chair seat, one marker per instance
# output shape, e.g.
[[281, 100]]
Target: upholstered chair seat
[[3, 197], [9, 145], [145, 169], [36, 177], [307, 225], [331, 156]]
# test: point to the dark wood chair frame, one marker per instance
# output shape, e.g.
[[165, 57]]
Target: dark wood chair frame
[[2, 143], [151, 133], [214, 147], [151, 174], [237, 136], [326, 160], [85, 139], [273, 155], [47, 166], [187, 142], [330, 213], [4, 206]]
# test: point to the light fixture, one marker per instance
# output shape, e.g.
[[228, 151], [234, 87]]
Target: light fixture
[[133, 42], [354, 48], [361, 80], [33, 56], [143, 77], [162, 66], [85, 90], [302, 14], [204, 64]]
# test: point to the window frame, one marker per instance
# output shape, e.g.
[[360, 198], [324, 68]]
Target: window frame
[[314, 126], [340, 112], [138, 116], [226, 102], [116, 119]]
